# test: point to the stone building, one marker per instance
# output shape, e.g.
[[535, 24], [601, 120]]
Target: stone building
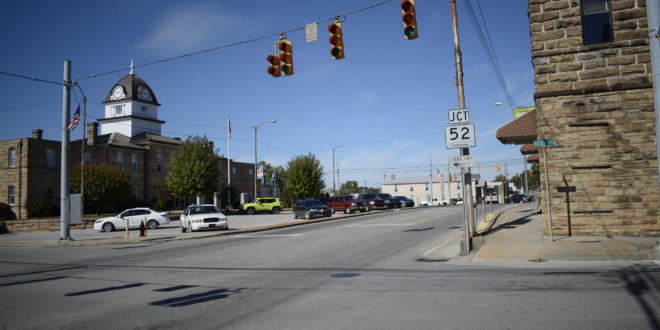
[[594, 98], [130, 138]]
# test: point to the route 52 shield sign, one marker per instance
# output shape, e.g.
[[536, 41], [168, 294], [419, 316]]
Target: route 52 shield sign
[[460, 136]]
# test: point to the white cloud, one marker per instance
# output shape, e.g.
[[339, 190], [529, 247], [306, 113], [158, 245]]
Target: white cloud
[[186, 28], [366, 99]]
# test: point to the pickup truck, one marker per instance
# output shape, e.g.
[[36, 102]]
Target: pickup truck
[[347, 204]]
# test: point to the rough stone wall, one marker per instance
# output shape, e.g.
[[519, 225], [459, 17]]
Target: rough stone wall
[[596, 101]]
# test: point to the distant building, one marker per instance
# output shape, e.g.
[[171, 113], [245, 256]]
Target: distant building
[[130, 138], [421, 189]]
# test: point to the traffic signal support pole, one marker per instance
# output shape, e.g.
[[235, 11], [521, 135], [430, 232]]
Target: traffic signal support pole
[[467, 173]]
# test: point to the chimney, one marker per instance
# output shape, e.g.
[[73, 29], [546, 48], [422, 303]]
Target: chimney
[[37, 134], [92, 132]]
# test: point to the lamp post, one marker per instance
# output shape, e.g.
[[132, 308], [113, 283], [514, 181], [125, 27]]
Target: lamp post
[[334, 188], [272, 121]]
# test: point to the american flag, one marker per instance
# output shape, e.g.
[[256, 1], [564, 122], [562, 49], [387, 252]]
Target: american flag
[[229, 129], [74, 120]]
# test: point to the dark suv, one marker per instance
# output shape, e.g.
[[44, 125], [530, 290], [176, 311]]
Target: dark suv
[[390, 201], [374, 202]]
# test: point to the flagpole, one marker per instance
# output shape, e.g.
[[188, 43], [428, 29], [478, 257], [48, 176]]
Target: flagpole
[[83, 141], [228, 162]]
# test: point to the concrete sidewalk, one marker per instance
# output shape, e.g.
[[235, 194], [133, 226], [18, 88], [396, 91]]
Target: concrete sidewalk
[[516, 235]]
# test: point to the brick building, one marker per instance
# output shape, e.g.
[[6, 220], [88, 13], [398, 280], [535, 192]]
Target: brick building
[[594, 97], [130, 139]]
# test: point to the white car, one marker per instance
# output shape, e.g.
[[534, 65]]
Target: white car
[[198, 217], [135, 217]]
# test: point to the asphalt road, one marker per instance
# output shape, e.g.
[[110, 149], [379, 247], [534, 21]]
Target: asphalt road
[[354, 273]]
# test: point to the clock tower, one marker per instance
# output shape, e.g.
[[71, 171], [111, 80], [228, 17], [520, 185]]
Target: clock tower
[[131, 108]]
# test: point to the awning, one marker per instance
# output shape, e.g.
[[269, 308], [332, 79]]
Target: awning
[[533, 158], [529, 149], [519, 131]]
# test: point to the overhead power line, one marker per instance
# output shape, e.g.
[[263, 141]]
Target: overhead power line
[[487, 44], [270, 36]]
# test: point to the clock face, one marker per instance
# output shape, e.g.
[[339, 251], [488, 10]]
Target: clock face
[[117, 93], [144, 94]]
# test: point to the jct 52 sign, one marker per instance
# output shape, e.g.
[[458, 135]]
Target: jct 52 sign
[[460, 136]]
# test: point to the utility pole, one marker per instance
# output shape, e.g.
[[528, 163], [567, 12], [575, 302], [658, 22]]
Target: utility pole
[[653, 14], [64, 170], [526, 186], [465, 172]]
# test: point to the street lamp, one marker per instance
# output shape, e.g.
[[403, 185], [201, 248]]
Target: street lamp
[[272, 121], [334, 188]]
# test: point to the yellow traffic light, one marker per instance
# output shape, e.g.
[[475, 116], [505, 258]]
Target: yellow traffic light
[[497, 168], [336, 40], [274, 68], [478, 168], [286, 57], [409, 19]]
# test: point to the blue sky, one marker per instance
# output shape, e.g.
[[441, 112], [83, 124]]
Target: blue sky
[[387, 100]]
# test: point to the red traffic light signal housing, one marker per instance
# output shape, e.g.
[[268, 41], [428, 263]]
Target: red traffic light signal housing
[[281, 62], [286, 57], [409, 19], [274, 68], [336, 40]]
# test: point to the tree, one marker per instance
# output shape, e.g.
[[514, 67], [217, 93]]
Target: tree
[[349, 187], [303, 178], [194, 169], [103, 185], [269, 170]]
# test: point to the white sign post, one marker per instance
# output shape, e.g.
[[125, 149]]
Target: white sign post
[[460, 136]]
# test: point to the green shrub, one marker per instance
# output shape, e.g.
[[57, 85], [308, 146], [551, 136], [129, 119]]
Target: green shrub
[[6, 213], [40, 207]]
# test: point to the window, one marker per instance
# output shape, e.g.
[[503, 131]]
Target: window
[[159, 161], [411, 188], [50, 158], [12, 157], [596, 22], [11, 195], [135, 193], [426, 186], [134, 162], [119, 110], [87, 158], [120, 159], [396, 188], [144, 109], [50, 193], [233, 170]]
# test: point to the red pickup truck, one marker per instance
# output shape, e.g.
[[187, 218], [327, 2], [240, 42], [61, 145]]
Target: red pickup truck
[[347, 204]]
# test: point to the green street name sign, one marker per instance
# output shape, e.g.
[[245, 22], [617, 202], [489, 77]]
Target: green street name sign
[[544, 143]]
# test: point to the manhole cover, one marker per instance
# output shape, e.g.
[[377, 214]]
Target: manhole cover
[[342, 275]]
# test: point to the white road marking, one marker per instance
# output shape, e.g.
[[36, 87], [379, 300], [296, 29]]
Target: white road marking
[[382, 224], [274, 235]]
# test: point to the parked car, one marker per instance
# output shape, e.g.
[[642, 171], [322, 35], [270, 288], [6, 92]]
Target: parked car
[[374, 202], [347, 204], [390, 201], [200, 217], [436, 202], [262, 204], [310, 208], [135, 217], [405, 201], [518, 198]]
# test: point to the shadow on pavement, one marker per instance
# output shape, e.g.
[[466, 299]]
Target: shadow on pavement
[[642, 285], [196, 298]]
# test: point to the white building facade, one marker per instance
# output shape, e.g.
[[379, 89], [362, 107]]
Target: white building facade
[[421, 189]]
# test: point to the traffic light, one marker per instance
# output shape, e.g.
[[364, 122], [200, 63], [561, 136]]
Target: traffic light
[[286, 57], [478, 168], [409, 19], [274, 68], [497, 168], [336, 40]]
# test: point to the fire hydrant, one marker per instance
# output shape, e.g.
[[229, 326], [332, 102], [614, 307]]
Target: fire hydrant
[[143, 229]]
